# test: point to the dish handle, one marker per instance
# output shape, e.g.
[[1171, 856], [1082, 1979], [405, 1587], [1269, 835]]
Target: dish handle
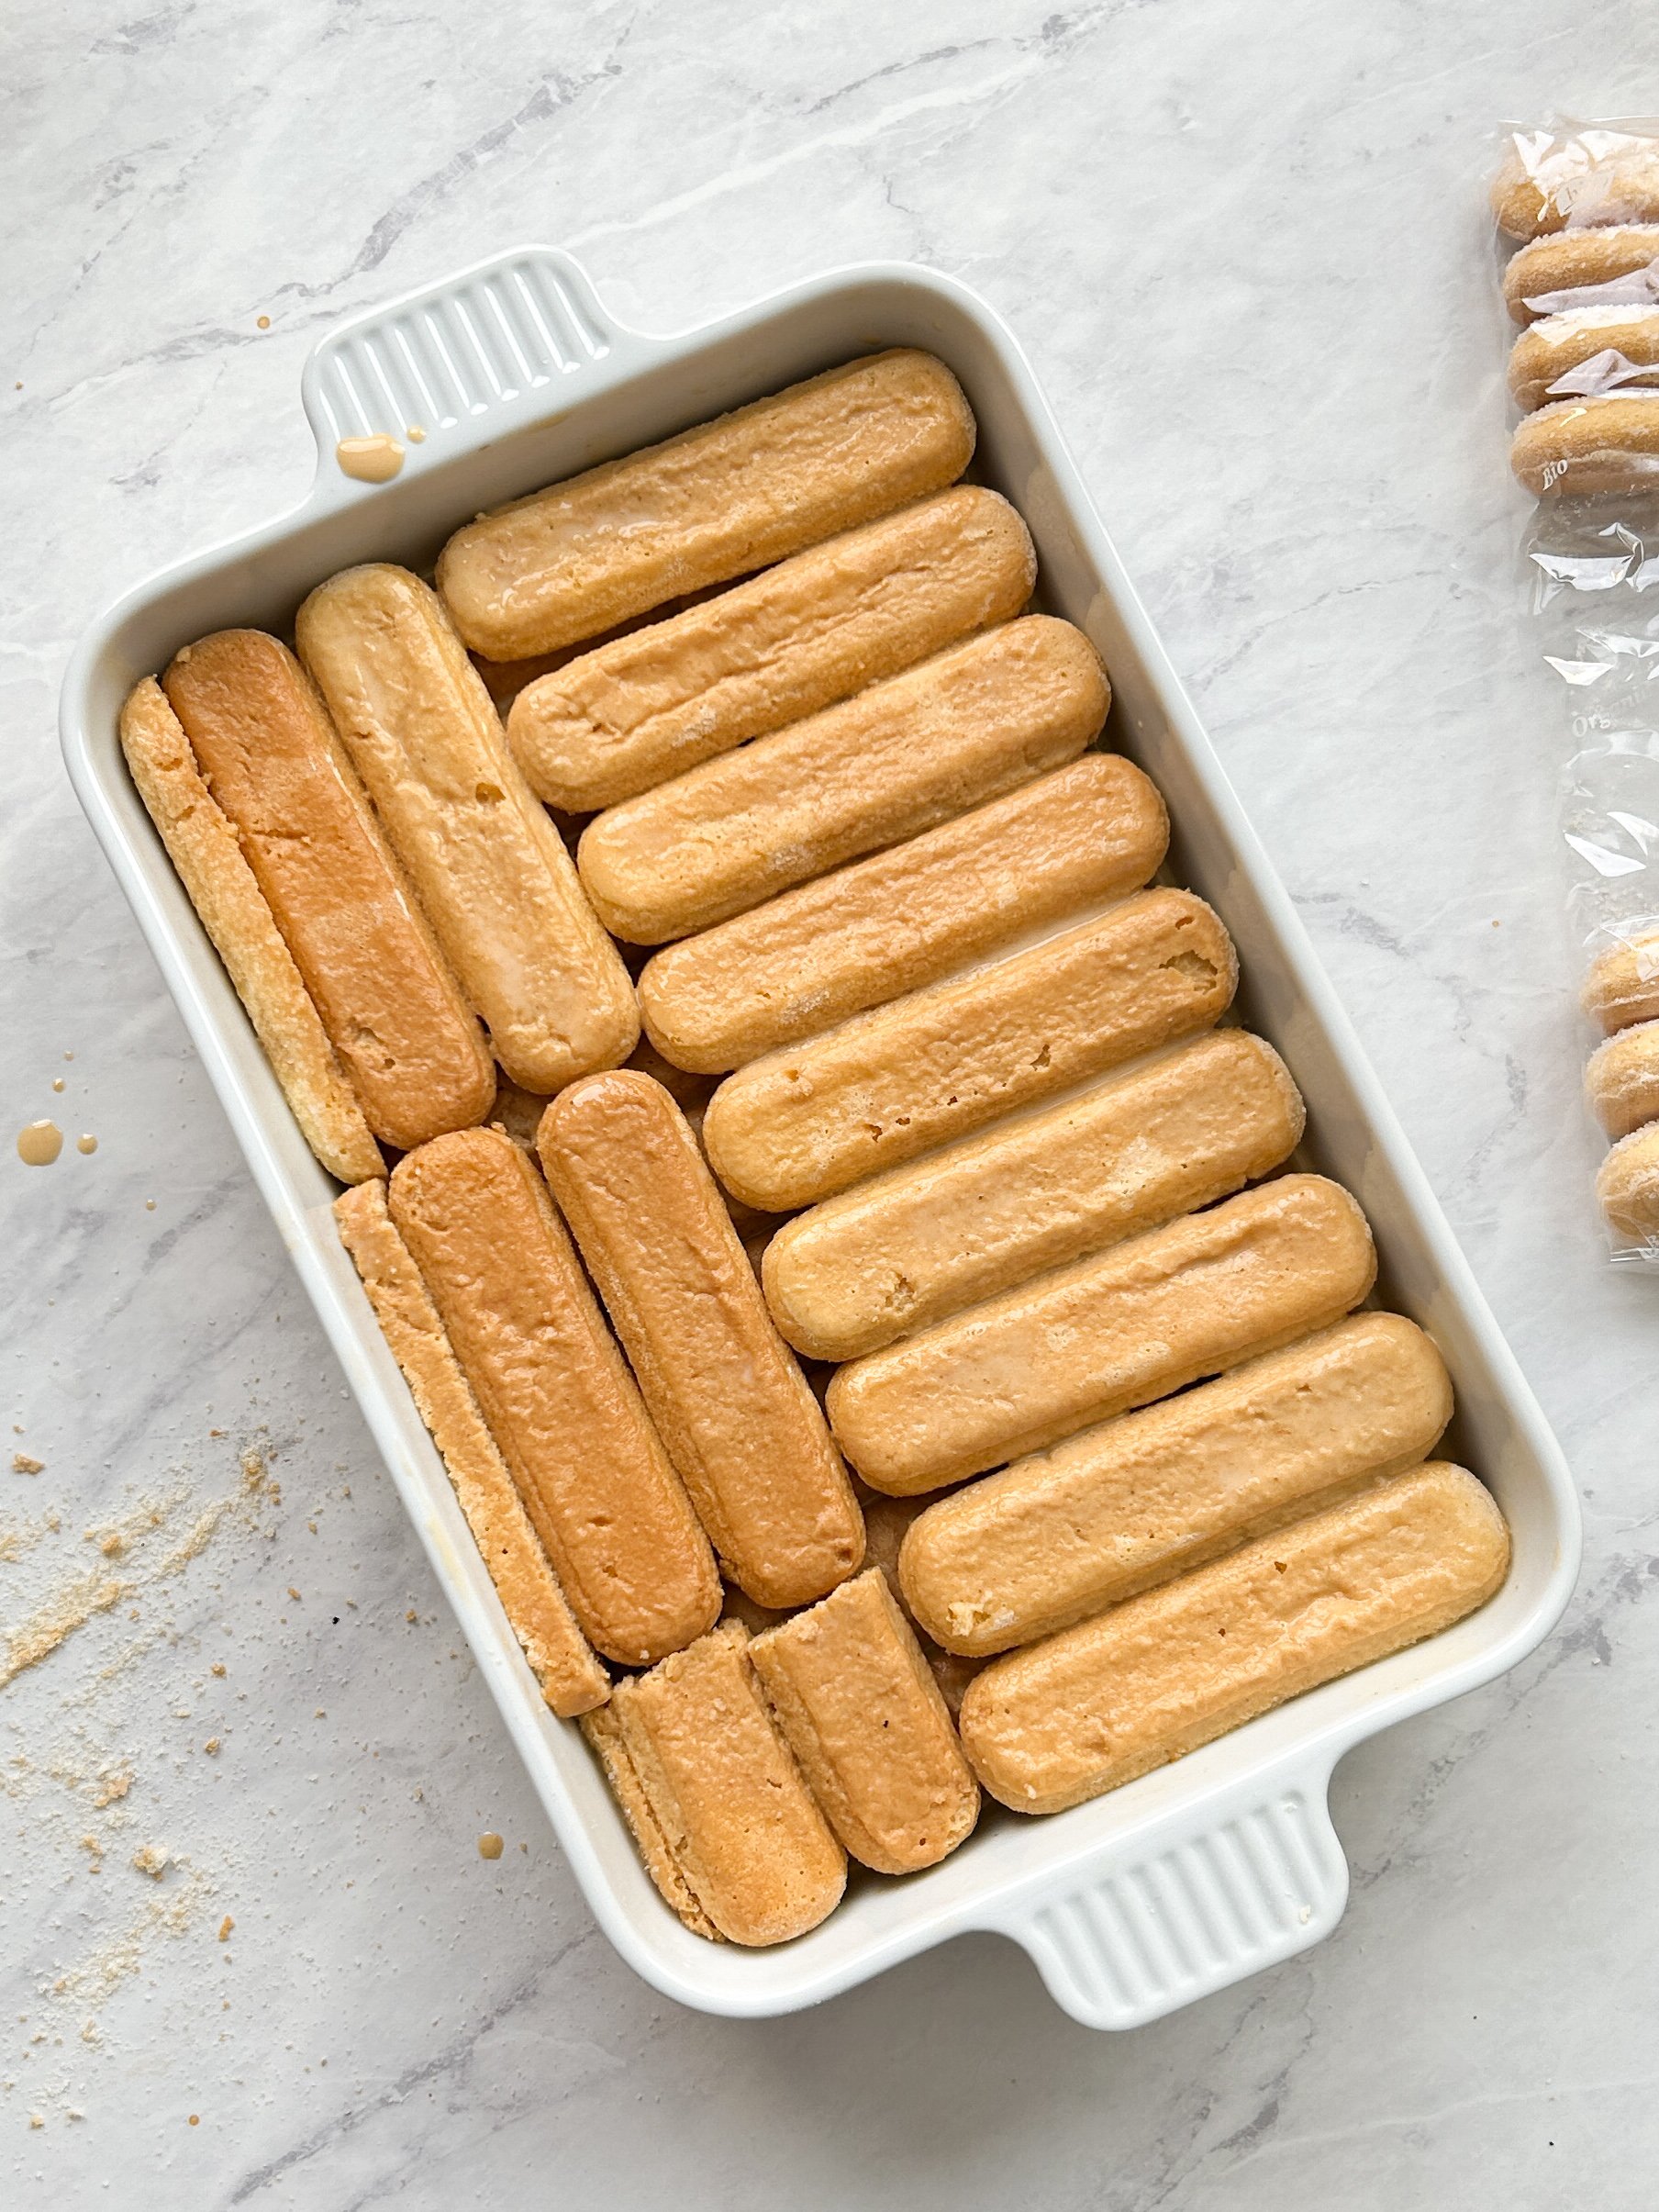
[[1190, 1903], [512, 340]]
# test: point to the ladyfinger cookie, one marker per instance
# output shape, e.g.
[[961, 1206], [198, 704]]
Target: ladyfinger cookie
[[903, 1250], [570, 1678], [1628, 1187], [559, 1401], [969, 724], [1615, 266], [392, 1011], [1577, 446], [1623, 986], [225, 892], [1093, 1707], [887, 1522], [716, 502], [1622, 1080], [806, 1122], [742, 1428], [1583, 352], [797, 638], [852, 1693], [1092, 831], [603, 1730], [1575, 181], [1146, 1318], [1069, 1531], [488, 865], [729, 1812]]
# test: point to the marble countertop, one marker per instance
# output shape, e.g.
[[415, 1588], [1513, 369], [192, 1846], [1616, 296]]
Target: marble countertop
[[248, 1952]]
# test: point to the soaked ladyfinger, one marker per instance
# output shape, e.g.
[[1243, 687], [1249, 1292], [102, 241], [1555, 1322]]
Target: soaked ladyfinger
[[905, 1249], [833, 621], [1093, 831], [740, 1425], [1153, 1679], [718, 501], [1137, 1500], [903, 756], [393, 1011], [731, 1830], [1145, 1318], [849, 1687], [570, 1678], [565, 1412], [236, 914], [806, 1122], [489, 866]]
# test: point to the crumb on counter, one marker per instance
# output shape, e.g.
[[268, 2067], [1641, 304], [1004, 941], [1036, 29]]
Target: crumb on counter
[[490, 1845]]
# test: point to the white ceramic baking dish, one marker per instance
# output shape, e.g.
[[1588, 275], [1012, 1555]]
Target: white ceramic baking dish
[[1193, 1877]]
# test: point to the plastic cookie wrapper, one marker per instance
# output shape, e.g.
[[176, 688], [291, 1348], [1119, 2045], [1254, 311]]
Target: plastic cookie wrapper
[[1576, 209]]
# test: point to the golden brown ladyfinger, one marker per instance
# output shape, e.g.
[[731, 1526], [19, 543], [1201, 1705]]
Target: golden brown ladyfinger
[[1628, 1188], [392, 1011], [1622, 1080], [740, 1425], [1136, 1501], [1585, 350], [1092, 831], [236, 916], [906, 1249], [1093, 1707], [808, 1120], [728, 1808], [1620, 264], [971, 723], [1574, 447], [488, 865], [718, 501], [559, 1401], [849, 1689], [615, 721], [1623, 986], [572, 1679], [1135, 1323]]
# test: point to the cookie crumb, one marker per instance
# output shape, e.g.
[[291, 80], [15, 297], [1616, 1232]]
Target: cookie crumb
[[211, 1747], [263, 322], [490, 1846], [23, 1464], [195, 2120], [150, 1861], [226, 1925], [217, 1667]]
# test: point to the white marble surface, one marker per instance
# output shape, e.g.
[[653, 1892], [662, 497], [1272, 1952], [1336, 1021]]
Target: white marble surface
[[1244, 246]]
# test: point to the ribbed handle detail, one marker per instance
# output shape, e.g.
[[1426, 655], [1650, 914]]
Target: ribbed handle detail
[[439, 360], [1169, 1924]]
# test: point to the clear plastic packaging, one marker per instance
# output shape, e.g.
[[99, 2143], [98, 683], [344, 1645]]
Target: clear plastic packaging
[[1576, 206]]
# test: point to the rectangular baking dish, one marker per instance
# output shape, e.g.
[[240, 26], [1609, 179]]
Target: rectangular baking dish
[[1186, 1880]]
